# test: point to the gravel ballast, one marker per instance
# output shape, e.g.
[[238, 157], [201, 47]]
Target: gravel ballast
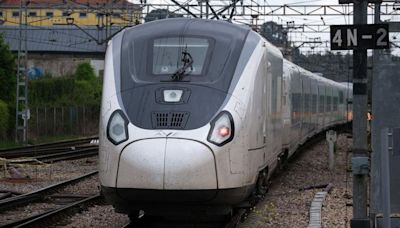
[[283, 206], [286, 206], [41, 176], [60, 171]]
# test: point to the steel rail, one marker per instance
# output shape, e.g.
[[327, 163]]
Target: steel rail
[[46, 216], [40, 193], [84, 153], [45, 151], [39, 147]]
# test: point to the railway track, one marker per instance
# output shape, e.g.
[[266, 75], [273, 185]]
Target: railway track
[[64, 155], [50, 216], [48, 148], [61, 203], [40, 194], [52, 152]]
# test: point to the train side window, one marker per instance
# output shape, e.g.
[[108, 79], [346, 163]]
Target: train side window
[[341, 97], [284, 100], [306, 102], [284, 92], [314, 103], [296, 102], [321, 103], [335, 103], [328, 103]]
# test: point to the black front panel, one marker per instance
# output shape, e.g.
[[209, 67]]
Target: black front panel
[[148, 58], [139, 197], [146, 111]]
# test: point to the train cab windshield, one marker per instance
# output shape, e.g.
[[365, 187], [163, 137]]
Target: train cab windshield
[[172, 55], [181, 53]]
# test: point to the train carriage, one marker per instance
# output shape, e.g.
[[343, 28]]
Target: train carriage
[[196, 114]]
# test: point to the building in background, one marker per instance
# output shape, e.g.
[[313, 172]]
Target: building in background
[[57, 50], [63, 33], [82, 12]]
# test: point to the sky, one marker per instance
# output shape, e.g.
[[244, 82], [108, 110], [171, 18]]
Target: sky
[[296, 35]]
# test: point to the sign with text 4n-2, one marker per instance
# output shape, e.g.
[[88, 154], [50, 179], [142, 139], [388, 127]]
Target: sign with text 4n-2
[[350, 37]]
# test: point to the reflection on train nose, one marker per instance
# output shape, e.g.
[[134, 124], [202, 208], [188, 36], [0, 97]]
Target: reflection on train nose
[[167, 164]]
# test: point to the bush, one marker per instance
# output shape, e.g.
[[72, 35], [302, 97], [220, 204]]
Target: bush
[[81, 89], [85, 71], [87, 92], [87, 88], [7, 73], [4, 117], [51, 91]]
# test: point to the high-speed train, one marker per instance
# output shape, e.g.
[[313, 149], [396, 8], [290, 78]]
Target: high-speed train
[[196, 114]]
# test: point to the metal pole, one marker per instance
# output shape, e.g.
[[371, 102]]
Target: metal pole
[[201, 8], [19, 73], [385, 165], [375, 180], [26, 79], [207, 10], [21, 108], [360, 145]]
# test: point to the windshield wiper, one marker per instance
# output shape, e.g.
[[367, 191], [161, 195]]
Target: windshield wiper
[[187, 62]]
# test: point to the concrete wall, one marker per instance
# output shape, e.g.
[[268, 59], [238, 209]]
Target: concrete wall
[[63, 64]]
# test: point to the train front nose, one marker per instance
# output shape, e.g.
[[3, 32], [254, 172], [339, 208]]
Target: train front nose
[[167, 164]]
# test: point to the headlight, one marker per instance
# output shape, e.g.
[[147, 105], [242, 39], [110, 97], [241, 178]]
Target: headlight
[[117, 128], [222, 129]]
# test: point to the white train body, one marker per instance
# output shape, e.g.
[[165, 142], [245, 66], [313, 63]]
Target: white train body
[[203, 140]]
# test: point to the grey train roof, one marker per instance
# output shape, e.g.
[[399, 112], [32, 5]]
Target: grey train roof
[[60, 39], [172, 25]]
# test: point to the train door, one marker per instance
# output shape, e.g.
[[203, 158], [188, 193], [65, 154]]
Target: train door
[[342, 106], [295, 99], [328, 107], [286, 107], [258, 119], [307, 106], [335, 105], [274, 104], [321, 105], [314, 117], [304, 104]]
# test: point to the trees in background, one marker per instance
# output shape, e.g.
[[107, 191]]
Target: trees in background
[[7, 88], [81, 88], [68, 105], [274, 33], [158, 14]]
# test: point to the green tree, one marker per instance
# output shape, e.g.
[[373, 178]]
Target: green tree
[[4, 120], [7, 73], [159, 14], [87, 89], [274, 33], [85, 71]]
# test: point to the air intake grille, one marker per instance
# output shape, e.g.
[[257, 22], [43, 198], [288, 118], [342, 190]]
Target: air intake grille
[[169, 120]]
